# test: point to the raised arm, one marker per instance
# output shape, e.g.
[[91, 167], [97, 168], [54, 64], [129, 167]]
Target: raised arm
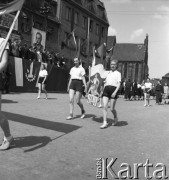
[[4, 60]]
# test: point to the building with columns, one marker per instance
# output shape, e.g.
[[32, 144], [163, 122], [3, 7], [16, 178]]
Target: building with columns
[[133, 58]]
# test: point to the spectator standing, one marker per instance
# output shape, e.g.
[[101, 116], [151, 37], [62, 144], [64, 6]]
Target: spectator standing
[[166, 92], [159, 92], [148, 87], [153, 91], [142, 89], [134, 90], [139, 91]]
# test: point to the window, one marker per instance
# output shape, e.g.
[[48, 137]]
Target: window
[[97, 29], [91, 26], [68, 13], [76, 18], [53, 10], [103, 32], [38, 25], [84, 22]]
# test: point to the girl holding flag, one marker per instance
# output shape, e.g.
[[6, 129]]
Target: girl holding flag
[[14, 5], [3, 121]]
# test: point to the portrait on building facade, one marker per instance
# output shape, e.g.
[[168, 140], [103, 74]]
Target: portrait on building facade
[[38, 40]]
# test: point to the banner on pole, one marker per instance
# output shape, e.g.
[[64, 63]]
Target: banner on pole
[[13, 6]]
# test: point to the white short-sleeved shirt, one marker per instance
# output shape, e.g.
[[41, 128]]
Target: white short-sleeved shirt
[[113, 78], [148, 85], [2, 40], [77, 72], [138, 85], [43, 73], [166, 89]]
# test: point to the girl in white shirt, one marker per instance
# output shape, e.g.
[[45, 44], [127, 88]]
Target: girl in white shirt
[[75, 87], [42, 81], [112, 85], [148, 88], [8, 139]]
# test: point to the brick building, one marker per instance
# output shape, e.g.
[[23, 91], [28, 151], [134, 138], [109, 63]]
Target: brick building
[[133, 58]]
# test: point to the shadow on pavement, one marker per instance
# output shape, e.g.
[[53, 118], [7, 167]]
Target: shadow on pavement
[[122, 123], [29, 141], [8, 101], [55, 126], [38, 141], [100, 120]]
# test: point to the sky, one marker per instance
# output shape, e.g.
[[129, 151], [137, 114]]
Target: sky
[[131, 20]]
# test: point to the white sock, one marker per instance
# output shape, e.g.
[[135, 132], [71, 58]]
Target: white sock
[[7, 138]]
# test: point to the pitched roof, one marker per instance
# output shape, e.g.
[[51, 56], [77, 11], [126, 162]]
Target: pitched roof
[[166, 75], [129, 52]]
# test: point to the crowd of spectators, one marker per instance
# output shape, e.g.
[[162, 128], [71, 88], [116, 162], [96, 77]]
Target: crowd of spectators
[[32, 53], [135, 91]]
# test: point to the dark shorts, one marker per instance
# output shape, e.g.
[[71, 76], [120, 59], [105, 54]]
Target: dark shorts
[[147, 90], [77, 85], [108, 91], [40, 80]]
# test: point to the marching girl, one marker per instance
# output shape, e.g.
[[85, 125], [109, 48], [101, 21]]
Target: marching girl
[[42, 81], [75, 87], [8, 139], [112, 85]]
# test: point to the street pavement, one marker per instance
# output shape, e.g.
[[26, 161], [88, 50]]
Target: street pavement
[[49, 147]]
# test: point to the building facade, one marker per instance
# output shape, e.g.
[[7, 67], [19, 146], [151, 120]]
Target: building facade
[[88, 19], [56, 19], [133, 59]]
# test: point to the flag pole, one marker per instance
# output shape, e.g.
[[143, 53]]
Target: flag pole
[[88, 43], [10, 31]]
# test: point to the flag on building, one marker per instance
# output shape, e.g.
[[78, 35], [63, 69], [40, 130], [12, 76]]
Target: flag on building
[[83, 48], [70, 42], [15, 5], [101, 51]]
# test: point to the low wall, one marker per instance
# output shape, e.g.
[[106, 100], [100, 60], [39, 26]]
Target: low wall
[[24, 76]]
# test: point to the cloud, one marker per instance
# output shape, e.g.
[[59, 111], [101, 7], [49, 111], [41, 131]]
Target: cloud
[[112, 31], [162, 13], [136, 33]]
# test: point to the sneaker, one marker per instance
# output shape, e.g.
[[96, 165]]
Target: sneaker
[[38, 97], [69, 117], [145, 105], [6, 144], [104, 125], [115, 121], [83, 114], [149, 105], [100, 106]]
